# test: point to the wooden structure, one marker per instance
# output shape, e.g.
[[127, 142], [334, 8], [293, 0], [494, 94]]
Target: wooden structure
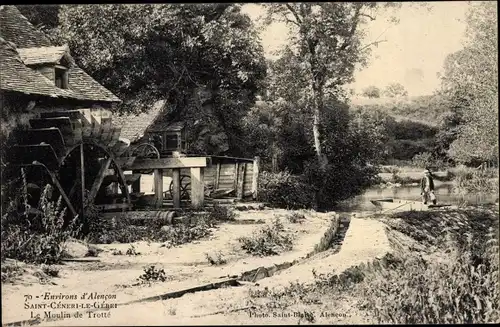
[[200, 177], [390, 204]]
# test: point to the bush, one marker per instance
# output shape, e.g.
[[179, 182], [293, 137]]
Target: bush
[[270, 240], [470, 180], [152, 274], [327, 239], [220, 213], [35, 235], [295, 218], [457, 290], [50, 271], [284, 190], [215, 259]]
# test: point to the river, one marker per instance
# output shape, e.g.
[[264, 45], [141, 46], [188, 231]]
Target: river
[[443, 190]]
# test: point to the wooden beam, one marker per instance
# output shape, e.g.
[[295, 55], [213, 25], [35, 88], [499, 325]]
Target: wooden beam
[[63, 194], [163, 163], [255, 177], [217, 176], [158, 181], [197, 187], [82, 181], [235, 179], [98, 181], [241, 180], [136, 185], [176, 188]]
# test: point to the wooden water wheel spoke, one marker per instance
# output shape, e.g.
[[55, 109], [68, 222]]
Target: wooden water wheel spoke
[[76, 149]]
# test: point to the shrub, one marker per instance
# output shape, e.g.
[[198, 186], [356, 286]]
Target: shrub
[[270, 240], [462, 288], [152, 274], [469, 180], [50, 270], [330, 234], [295, 218], [92, 251], [284, 190], [35, 235], [220, 213], [215, 259], [131, 251]]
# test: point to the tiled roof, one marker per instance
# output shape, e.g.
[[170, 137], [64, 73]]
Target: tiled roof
[[15, 76], [42, 55], [17, 31], [16, 28], [134, 126]]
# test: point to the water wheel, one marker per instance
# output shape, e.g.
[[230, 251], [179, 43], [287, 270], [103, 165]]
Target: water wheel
[[74, 151]]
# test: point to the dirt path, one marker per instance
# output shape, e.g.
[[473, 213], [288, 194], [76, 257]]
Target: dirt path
[[185, 266], [365, 240]]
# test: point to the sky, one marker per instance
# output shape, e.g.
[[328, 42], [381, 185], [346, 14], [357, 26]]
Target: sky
[[413, 53]]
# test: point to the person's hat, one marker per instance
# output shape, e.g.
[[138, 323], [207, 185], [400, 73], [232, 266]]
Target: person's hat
[[426, 171]]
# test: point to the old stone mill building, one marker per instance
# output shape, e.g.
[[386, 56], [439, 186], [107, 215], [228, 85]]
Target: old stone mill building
[[59, 128]]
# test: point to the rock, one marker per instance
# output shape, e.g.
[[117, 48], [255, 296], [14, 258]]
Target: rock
[[75, 249]]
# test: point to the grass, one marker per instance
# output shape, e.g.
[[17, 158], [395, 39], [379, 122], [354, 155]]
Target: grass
[[270, 240], [295, 218], [50, 270], [329, 236], [35, 237], [215, 259], [152, 274], [456, 281]]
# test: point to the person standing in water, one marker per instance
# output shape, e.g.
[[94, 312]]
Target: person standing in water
[[427, 188]]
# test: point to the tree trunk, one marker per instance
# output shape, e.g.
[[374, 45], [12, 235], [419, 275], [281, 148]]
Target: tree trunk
[[317, 108]]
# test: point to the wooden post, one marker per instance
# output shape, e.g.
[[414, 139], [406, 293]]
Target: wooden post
[[176, 187], [158, 181], [235, 181], [197, 187], [136, 186], [82, 180], [241, 180], [255, 177], [217, 176], [98, 181]]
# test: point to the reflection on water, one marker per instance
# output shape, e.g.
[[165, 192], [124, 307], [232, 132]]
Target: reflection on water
[[443, 190]]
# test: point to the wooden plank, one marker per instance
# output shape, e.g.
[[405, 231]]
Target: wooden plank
[[255, 180], [115, 135], [63, 194], [163, 163], [176, 294], [98, 181], [77, 131], [176, 188], [217, 176], [136, 184], [158, 182], [114, 206], [51, 135], [197, 187], [235, 175], [82, 181], [241, 180]]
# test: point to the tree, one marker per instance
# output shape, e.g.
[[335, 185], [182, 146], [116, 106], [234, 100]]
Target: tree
[[148, 52], [371, 92], [395, 90], [470, 83], [327, 41]]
